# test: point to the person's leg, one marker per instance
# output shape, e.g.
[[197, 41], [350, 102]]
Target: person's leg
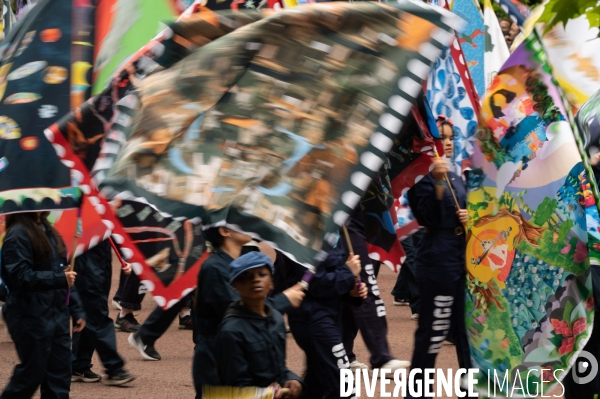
[[132, 296], [158, 322], [131, 300], [93, 283], [349, 331], [82, 349], [400, 290], [119, 293], [299, 327], [330, 357], [57, 381], [437, 301], [28, 375], [370, 316]]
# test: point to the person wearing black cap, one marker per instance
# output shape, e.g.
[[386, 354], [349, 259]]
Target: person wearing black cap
[[213, 297], [250, 344]]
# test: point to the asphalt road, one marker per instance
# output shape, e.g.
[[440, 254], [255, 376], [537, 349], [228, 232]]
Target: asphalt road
[[171, 376]]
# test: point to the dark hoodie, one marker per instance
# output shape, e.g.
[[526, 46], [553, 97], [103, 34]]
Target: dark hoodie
[[250, 348]]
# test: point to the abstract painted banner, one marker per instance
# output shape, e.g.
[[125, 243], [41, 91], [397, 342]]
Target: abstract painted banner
[[36, 61], [572, 51], [533, 229]]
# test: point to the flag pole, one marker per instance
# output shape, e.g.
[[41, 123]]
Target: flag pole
[[77, 234]]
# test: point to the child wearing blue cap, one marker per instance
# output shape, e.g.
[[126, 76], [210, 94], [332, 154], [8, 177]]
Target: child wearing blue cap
[[250, 348], [214, 295]]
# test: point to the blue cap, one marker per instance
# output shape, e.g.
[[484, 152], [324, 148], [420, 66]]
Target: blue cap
[[251, 260]]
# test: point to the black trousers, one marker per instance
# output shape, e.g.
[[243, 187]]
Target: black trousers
[[132, 293], [94, 273], [45, 361], [441, 314], [370, 317], [406, 283], [159, 322], [321, 341]]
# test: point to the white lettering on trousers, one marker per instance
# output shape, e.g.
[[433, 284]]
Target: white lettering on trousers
[[441, 313]]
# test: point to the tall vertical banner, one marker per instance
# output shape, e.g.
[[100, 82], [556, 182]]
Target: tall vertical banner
[[472, 40], [496, 49], [533, 230]]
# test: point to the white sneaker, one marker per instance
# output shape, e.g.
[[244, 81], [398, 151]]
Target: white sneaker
[[116, 305], [356, 365], [396, 364], [415, 316]]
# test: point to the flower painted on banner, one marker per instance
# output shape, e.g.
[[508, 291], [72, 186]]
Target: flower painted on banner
[[589, 303], [579, 326], [547, 374], [29, 143], [566, 346]]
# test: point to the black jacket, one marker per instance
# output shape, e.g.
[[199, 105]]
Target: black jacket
[[250, 348], [329, 288], [37, 294], [214, 295]]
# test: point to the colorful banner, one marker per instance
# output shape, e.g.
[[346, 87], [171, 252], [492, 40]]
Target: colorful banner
[[472, 40], [533, 229], [496, 49], [450, 93], [36, 60]]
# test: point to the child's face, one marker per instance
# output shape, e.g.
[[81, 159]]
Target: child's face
[[254, 283]]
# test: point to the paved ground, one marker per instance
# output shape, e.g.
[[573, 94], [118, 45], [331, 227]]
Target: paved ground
[[171, 377]]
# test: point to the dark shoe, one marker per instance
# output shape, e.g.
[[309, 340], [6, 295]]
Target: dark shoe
[[185, 323], [400, 302], [127, 323], [119, 378], [85, 376], [147, 351]]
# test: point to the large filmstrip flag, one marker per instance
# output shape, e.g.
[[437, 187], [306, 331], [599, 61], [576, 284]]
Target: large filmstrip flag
[[330, 136], [533, 228]]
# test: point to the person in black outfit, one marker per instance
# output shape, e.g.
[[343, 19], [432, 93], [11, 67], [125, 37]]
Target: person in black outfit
[[317, 324], [37, 311], [405, 292], [250, 349], [440, 260], [213, 297], [94, 269]]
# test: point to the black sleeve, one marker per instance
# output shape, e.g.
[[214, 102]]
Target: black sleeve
[[427, 208], [17, 264], [75, 305]]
